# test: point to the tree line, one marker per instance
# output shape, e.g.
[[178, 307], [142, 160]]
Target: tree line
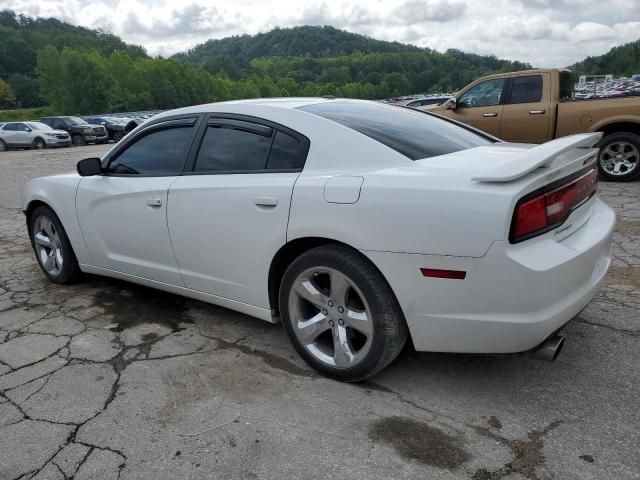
[[622, 60], [75, 70]]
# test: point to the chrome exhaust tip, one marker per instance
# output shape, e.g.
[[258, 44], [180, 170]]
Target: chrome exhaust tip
[[550, 348]]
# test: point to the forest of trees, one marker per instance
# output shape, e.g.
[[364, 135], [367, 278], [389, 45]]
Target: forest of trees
[[622, 60], [77, 71], [74, 70]]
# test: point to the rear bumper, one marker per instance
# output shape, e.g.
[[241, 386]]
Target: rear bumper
[[512, 298]]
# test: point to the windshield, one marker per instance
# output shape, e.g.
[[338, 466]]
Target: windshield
[[76, 121], [39, 126], [412, 133]]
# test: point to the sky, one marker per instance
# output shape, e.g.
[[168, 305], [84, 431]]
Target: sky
[[545, 33]]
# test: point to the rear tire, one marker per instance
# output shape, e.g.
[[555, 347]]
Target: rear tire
[[3, 146], [619, 156], [78, 141], [117, 136], [52, 247], [340, 314]]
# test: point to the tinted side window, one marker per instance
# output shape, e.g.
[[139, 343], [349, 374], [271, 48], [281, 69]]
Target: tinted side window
[[286, 153], [160, 152], [526, 89], [228, 149], [11, 127], [21, 127], [483, 94]]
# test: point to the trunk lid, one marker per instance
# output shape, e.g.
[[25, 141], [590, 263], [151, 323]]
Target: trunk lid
[[510, 162]]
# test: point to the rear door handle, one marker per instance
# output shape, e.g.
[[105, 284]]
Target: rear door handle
[[154, 202], [490, 114], [265, 201], [536, 112]]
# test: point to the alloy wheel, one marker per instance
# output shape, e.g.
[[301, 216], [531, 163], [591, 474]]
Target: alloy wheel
[[330, 317], [619, 158], [48, 245]]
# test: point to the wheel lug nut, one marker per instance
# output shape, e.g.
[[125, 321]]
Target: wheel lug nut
[[330, 303], [331, 323], [340, 309], [324, 312], [341, 322]]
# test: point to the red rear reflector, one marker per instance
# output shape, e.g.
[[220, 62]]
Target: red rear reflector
[[437, 273], [550, 209]]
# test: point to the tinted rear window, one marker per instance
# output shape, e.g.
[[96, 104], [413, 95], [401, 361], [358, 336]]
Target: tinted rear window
[[412, 133]]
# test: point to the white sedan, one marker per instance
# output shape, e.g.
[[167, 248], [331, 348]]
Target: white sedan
[[356, 224]]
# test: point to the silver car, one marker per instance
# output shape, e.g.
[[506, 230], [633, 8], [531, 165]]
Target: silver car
[[31, 135]]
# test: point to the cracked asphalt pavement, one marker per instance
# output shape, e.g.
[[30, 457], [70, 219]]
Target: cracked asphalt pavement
[[105, 380]]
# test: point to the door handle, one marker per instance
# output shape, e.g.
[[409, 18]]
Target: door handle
[[154, 202], [536, 112], [265, 201], [490, 114]]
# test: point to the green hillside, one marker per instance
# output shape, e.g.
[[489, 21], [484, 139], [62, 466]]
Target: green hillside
[[326, 55], [22, 37], [622, 60]]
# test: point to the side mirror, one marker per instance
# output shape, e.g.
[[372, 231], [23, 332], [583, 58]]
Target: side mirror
[[89, 167], [28, 129], [452, 104]]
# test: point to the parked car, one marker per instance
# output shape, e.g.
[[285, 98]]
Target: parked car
[[81, 132], [356, 224], [116, 127], [31, 135], [534, 106]]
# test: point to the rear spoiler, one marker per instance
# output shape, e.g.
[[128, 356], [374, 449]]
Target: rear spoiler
[[537, 157]]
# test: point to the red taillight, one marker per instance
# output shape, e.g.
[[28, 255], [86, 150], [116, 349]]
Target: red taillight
[[530, 216], [549, 209]]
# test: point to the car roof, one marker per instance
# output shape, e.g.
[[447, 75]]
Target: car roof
[[285, 103]]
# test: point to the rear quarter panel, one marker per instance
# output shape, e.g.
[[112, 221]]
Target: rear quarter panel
[[403, 210]]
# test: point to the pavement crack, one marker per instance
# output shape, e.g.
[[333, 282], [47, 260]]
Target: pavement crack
[[40, 388], [624, 331], [84, 459]]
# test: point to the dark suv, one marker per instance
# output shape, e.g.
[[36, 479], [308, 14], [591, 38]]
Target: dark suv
[[81, 132], [116, 127]]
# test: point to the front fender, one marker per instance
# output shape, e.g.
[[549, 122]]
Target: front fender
[[59, 193]]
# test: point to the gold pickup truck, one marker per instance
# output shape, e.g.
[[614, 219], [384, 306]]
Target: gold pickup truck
[[534, 106]]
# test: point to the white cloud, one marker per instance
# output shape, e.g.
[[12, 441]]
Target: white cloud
[[541, 32]]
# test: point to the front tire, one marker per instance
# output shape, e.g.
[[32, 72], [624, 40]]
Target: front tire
[[39, 144], [78, 141], [340, 313], [619, 157], [52, 247]]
